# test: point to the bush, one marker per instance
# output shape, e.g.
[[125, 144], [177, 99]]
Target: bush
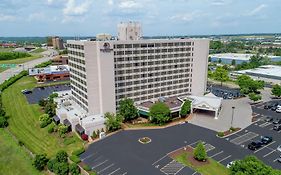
[[54, 95], [84, 137], [45, 64], [93, 173], [185, 109], [42, 102], [62, 129], [199, 152], [20, 143], [51, 164], [94, 135], [3, 122], [51, 128], [220, 134], [74, 169], [12, 80], [61, 156], [159, 113], [87, 168], [45, 120], [75, 159], [13, 55], [78, 151], [40, 161]]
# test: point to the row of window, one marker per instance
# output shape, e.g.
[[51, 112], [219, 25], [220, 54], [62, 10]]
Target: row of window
[[151, 45], [136, 52], [84, 103], [82, 68], [157, 75], [78, 79], [152, 57], [79, 89], [156, 87], [144, 69], [77, 60], [150, 74], [76, 53], [77, 73], [75, 46], [148, 96]]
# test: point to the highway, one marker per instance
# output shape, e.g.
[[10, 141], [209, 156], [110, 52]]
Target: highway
[[47, 55]]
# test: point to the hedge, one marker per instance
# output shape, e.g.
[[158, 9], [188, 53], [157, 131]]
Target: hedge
[[75, 159], [12, 80], [78, 151], [87, 168], [45, 64]]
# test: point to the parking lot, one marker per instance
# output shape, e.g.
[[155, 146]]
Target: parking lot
[[44, 92], [224, 92]]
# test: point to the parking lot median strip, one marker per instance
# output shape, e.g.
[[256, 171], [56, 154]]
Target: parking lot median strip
[[266, 146]]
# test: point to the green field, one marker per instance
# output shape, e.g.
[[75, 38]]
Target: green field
[[6, 49], [20, 60], [38, 50], [13, 159], [24, 123], [213, 168]]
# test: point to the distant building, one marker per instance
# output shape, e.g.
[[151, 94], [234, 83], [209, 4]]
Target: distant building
[[60, 60], [57, 43], [52, 73], [129, 31], [103, 37]]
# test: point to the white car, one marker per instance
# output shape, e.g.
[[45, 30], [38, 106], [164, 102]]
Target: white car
[[278, 110], [279, 148], [230, 164]]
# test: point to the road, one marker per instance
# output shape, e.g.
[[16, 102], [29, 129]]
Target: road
[[25, 66]]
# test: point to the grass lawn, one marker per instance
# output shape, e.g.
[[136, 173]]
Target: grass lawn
[[38, 50], [20, 60], [13, 159], [141, 125], [213, 168], [53, 83], [6, 49], [24, 123]]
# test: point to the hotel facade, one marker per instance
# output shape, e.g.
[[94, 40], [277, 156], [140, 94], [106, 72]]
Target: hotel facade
[[103, 72]]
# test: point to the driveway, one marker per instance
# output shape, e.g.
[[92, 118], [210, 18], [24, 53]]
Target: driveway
[[242, 117]]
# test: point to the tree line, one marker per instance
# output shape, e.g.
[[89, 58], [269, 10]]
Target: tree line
[[13, 55]]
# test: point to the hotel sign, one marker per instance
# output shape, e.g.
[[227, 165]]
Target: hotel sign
[[106, 48]]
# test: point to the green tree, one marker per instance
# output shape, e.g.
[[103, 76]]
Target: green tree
[[219, 61], [248, 84], [185, 109], [251, 165], [221, 75], [127, 109], [40, 161], [61, 156], [233, 62], [3, 121], [61, 168], [199, 152], [62, 129], [276, 90], [94, 135], [113, 122], [159, 113], [74, 169], [254, 97]]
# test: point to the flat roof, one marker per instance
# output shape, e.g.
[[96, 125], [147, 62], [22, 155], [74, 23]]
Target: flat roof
[[267, 70], [49, 70], [171, 102], [210, 99], [239, 56]]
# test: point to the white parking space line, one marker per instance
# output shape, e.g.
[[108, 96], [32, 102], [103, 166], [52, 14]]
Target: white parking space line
[[179, 170], [269, 153], [216, 154], [106, 168], [159, 159], [266, 146], [224, 158], [264, 124], [124, 173], [114, 171], [99, 164]]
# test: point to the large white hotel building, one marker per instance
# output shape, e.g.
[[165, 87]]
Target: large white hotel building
[[104, 71]]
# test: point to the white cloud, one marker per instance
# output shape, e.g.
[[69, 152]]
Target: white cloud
[[72, 8], [49, 2], [129, 4], [110, 2], [4, 17], [187, 17], [256, 10], [220, 2]]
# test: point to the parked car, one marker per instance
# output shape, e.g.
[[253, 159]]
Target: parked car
[[273, 108], [230, 164], [279, 160], [277, 127], [276, 121], [268, 119], [279, 148], [25, 91], [266, 140], [278, 110], [255, 145]]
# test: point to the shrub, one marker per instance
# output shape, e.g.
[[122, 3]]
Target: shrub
[[87, 168], [93, 173], [3, 122], [54, 95], [42, 102], [45, 64], [61, 156], [75, 159], [74, 169], [20, 143], [12, 80], [45, 120], [220, 134], [51, 128], [78, 151], [185, 109], [40, 161], [199, 152], [62, 129], [94, 135], [84, 137], [159, 113], [51, 164]]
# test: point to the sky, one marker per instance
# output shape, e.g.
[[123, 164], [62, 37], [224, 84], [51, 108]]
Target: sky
[[158, 17]]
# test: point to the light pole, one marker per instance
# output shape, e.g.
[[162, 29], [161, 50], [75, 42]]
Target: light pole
[[232, 115]]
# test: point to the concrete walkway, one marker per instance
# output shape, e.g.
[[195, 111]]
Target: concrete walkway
[[242, 117], [25, 66]]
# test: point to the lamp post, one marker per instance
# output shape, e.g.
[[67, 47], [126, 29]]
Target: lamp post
[[232, 115]]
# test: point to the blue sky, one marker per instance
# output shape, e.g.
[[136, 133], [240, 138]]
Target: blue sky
[[158, 17]]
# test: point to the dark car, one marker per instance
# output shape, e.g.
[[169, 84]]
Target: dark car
[[273, 108], [255, 145], [277, 127], [266, 140], [26, 91], [276, 121], [268, 119]]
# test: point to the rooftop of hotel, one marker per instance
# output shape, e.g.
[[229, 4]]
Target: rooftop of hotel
[[171, 102]]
